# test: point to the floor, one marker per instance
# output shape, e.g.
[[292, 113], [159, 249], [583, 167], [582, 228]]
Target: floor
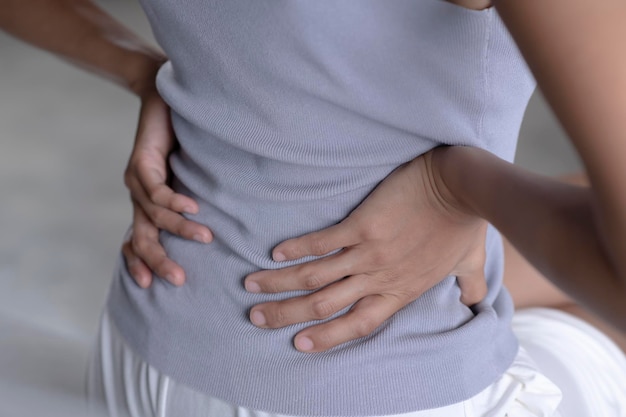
[[64, 140]]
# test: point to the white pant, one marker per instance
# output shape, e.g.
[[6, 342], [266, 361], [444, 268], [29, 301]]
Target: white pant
[[121, 384], [587, 366]]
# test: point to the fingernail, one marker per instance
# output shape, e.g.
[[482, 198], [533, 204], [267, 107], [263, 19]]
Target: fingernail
[[304, 344], [173, 280], [258, 318], [143, 282], [279, 257], [200, 238], [189, 210], [252, 286]]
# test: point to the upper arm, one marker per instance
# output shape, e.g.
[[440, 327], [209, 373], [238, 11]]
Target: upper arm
[[575, 50]]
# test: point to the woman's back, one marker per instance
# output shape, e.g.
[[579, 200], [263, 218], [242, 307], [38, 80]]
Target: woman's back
[[288, 114]]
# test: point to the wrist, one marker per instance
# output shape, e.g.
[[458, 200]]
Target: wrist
[[141, 75], [450, 170]]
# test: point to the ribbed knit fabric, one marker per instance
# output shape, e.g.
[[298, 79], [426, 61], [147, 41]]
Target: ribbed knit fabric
[[288, 113]]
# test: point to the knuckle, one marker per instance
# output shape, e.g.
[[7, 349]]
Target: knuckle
[[182, 227], [324, 340], [381, 256], [373, 230], [311, 279], [368, 233], [137, 244], [145, 229], [386, 279], [141, 247], [364, 326], [319, 246], [159, 217], [322, 309], [403, 296], [278, 316], [161, 261], [155, 194]]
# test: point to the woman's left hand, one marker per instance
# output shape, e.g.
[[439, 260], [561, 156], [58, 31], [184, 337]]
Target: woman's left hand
[[404, 238]]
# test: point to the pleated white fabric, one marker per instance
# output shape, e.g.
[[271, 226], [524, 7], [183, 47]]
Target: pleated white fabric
[[588, 367], [121, 384]]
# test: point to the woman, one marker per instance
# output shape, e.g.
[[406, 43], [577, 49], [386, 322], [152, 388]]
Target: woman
[[282, 141]]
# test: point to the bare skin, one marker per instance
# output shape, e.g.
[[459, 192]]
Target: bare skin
[[85, 35], [529, 288], [472, 4]]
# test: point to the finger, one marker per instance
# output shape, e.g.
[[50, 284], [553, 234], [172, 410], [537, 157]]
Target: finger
[[362, 319], [136, 267], [148, 165], [319, 243], [473, 287], [178, 225], [146, 245], [317, 306], [153, 181], [147, 182], [308, 276], [171, 221]]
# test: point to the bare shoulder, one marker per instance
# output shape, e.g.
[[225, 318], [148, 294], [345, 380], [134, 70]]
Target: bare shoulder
[[472, 4]]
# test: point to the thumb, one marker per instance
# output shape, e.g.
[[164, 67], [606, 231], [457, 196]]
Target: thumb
[[471, 276], [473, 286]]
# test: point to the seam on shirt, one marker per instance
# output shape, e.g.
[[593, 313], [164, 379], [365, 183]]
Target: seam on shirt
[[486, 75]]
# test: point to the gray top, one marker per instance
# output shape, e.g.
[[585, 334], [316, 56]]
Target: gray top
[[288, 113]]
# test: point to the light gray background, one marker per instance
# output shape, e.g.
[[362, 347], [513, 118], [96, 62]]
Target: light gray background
[[65, 137]]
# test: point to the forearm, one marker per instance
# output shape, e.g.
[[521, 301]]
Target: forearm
[[82, 33], [554, 225]]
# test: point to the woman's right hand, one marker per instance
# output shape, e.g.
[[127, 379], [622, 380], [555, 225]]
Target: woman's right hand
[[404, 238], [155, 205]]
